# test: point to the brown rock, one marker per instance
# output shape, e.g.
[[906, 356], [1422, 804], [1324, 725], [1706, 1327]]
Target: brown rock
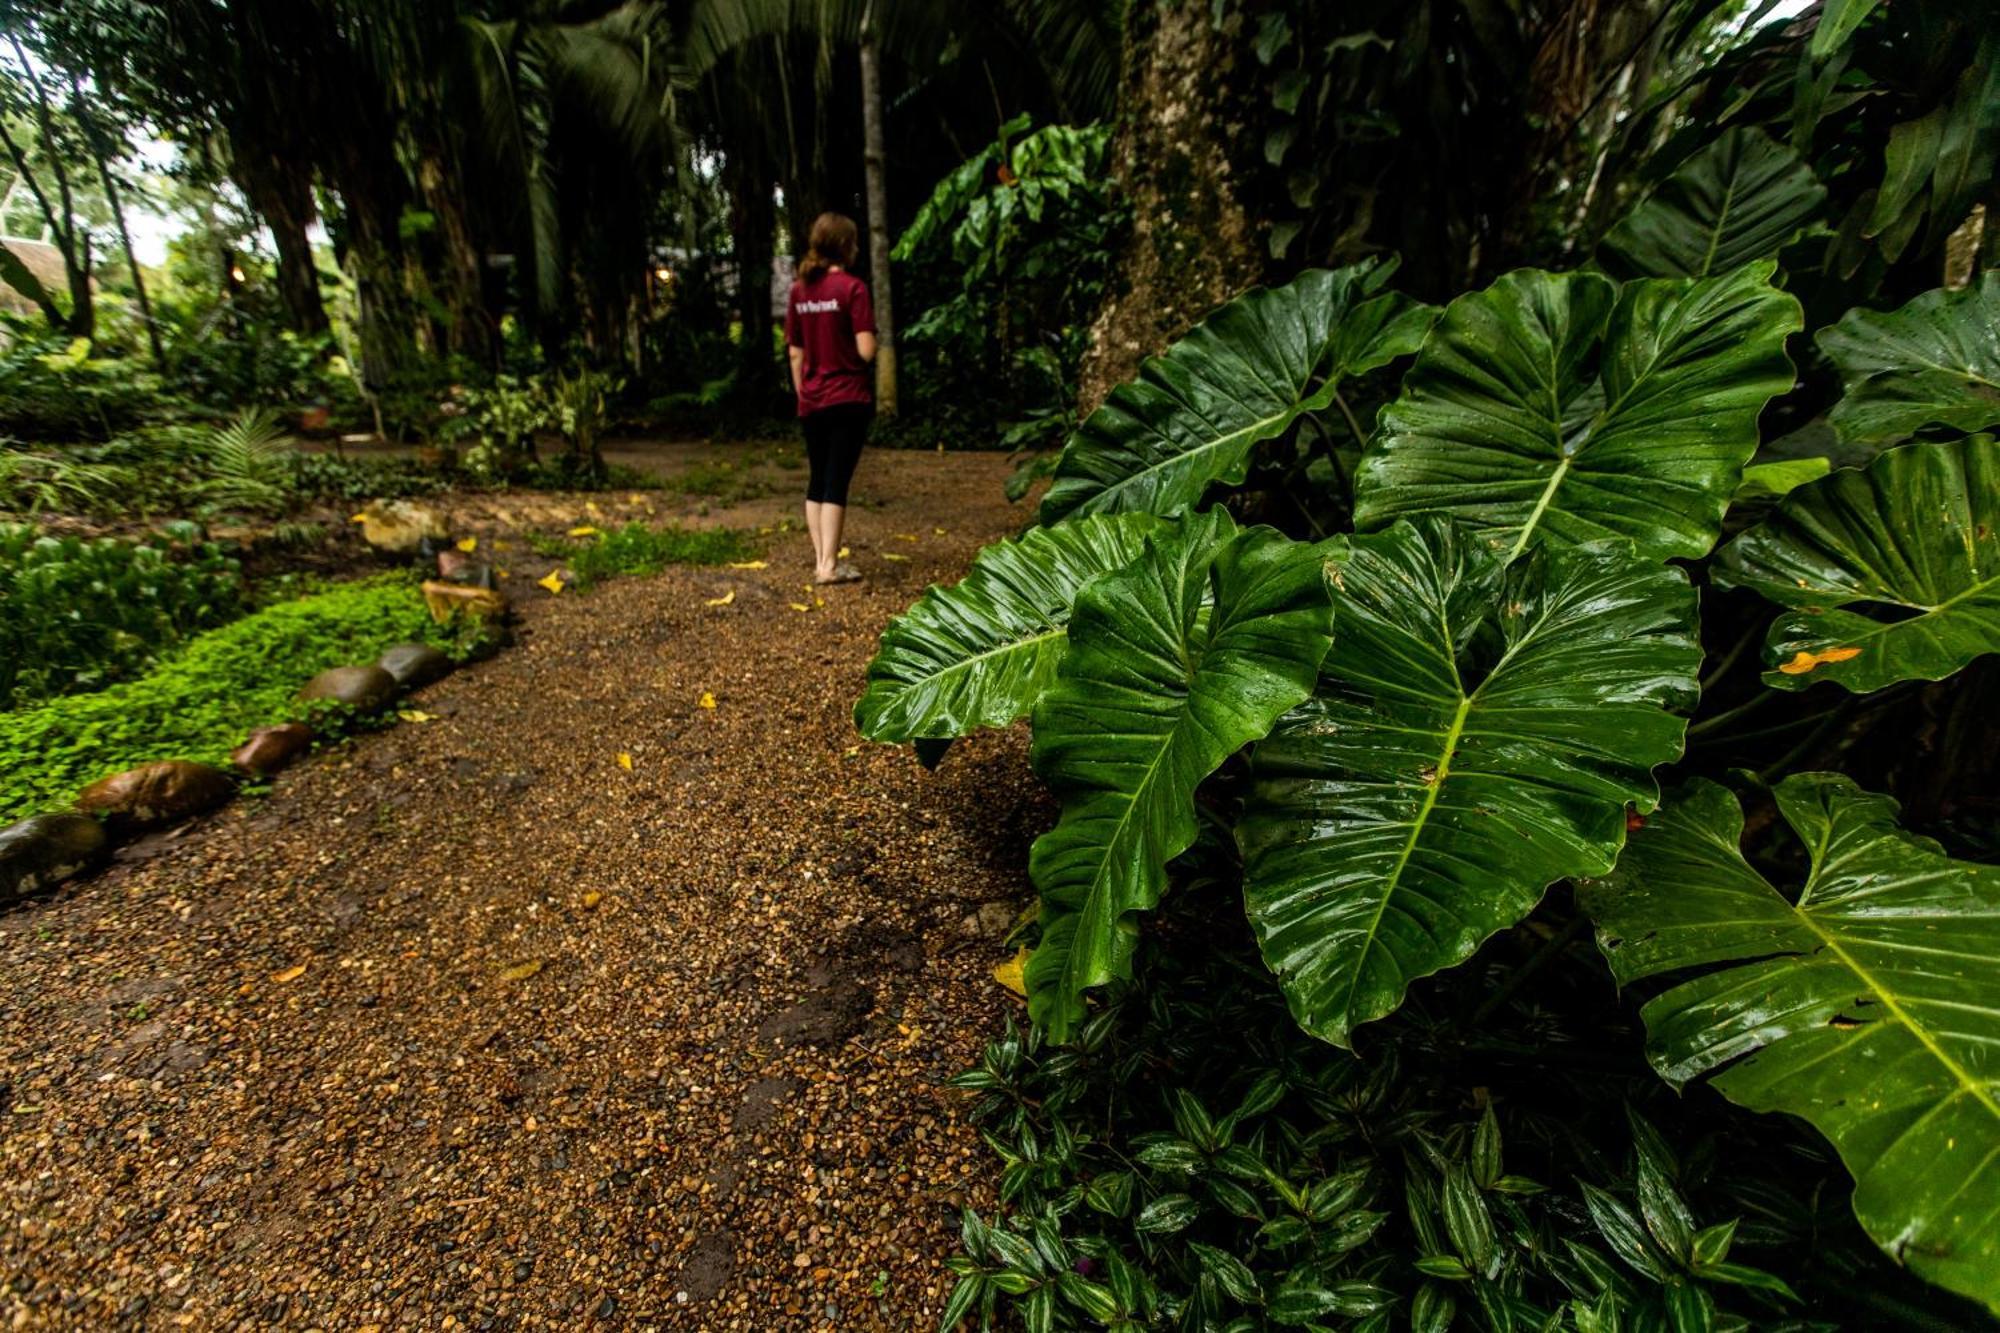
[[271, 748], [446, 599], [414, 665], [157, 793], [398, 527], [363, 688], [44, 849]]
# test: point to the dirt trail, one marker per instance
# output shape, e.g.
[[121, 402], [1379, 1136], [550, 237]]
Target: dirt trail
[[573, 1046]]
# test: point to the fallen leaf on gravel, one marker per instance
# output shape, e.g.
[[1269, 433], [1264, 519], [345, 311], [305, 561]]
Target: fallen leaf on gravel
[[906, 536], [290, 973], [799, 606], [468, 543], [415, 715], [723, 600], [625, 761], [1013, 974], [842, 553], [357, 518], [584, 531], [590, 508], [938, 531], [553, 582], [522, 971], [707, 699], [592, 899], [749, 564], [891, 555]]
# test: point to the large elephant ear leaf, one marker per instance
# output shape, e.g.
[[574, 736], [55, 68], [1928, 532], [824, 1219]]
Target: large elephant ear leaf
[[1934, 361], [978, 653], [1477, 734], [1866, 1002], [1243, 376], [1157, 690], [1744, 197], [1563, 406], [1912, 540]]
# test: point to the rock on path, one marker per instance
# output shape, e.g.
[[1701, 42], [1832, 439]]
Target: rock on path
[[466, 1026]]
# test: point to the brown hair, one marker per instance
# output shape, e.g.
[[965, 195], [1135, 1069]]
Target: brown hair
[[832, 242]]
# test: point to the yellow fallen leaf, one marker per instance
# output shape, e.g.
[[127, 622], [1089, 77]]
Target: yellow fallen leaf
[[501, 571], [723, 600], [1013, 974], [625, 761], [707, 699], [891, 555], [842, 553], [800, 606], [415, 715], [357, 518], [633, 498], [748, 564], [592, 899], [906, 536], [553, 582], [584, 531], [1806, 661], [290, 973], [938, 531], [522, 971], [590, 508], [468, 544]]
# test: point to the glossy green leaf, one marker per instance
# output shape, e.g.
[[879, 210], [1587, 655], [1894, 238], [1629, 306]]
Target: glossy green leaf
[[1837, 21], [1910, 543], [1244, 375], [978, 653], [1566, 406], [1779, 478], [1477, 733], [1934, 361], [1742, 198], [1866, 1001], [1156, 692]]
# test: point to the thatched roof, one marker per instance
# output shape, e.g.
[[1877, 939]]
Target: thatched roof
[[45, 262]]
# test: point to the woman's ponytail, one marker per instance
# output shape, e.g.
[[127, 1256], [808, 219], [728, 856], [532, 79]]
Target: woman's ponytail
[[832, 241]]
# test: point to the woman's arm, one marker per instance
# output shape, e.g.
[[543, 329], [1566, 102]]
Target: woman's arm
[[798, 359], [864, 343]]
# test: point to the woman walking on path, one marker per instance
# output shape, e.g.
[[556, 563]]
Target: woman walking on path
[[830, 338]]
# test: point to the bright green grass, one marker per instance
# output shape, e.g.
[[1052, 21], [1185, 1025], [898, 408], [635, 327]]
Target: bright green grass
[[200, 703], [638, 549]]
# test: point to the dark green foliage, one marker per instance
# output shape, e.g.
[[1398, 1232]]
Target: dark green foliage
[[1193, 1161], [200, 703], [77, 615]]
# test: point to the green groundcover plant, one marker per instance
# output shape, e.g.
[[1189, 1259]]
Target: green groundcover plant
[[1414, 608], [76, 614], [200, 703], [636, 549]]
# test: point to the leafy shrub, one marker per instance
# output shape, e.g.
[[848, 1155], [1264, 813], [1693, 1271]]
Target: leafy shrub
[[1192, 1160], [200, 703], [329, 477], [52, 388], [1409, 732], [248, 464], [77, 614], [638, 549]]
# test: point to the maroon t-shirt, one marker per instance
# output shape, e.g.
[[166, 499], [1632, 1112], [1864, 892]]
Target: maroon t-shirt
[[823, 316]]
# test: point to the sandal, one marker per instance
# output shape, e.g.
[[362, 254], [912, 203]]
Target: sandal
[[842, 573]]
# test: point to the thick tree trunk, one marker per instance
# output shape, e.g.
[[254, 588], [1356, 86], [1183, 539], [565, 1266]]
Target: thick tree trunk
[[282, 196], [875, 152], [753, 224], [1191, 245], [470, 331]]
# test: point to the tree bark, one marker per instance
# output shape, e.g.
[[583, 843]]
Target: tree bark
[[753, 223], [282, 196], [100, 157], [875, 154], [470, 332], [1192, 244]]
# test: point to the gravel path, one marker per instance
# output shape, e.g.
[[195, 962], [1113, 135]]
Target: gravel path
[[572, 1046]]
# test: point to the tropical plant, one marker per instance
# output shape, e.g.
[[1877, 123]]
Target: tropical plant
[[249, 461], [1401, 738]]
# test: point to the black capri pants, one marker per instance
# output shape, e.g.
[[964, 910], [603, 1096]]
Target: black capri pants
[[834, 436]]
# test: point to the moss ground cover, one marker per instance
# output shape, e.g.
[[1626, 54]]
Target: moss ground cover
[[201, 702]]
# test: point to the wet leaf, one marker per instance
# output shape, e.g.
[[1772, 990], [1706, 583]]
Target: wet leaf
[[522, 971], [1804, 661], [723, 600], [1013, 974], [289, 974]]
